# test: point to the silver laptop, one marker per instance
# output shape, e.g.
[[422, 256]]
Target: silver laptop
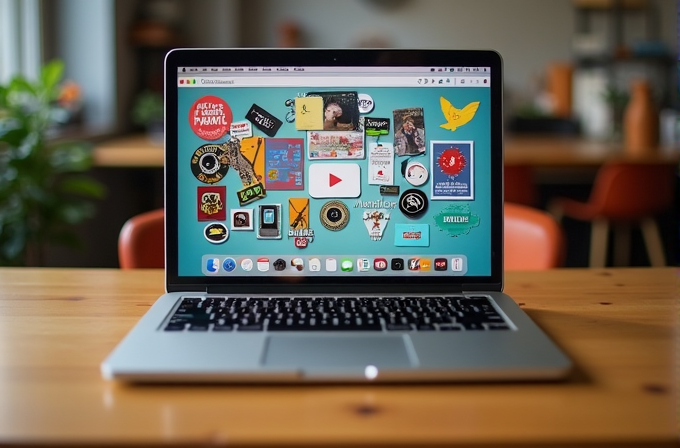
[[334, 216]]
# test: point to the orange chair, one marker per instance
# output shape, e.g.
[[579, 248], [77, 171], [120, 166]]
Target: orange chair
[[519, 185], [623, 193], [532, 239], [141, 243]]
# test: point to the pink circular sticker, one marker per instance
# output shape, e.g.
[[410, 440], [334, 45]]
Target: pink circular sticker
[[210, 117]]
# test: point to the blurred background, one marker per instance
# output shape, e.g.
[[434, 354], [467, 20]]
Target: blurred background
[[568, 64]]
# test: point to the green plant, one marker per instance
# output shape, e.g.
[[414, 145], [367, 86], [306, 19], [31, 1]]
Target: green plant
[[44, 185], [147, 109]]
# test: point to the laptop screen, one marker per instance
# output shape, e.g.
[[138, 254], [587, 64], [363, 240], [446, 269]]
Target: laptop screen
[[343, 172]]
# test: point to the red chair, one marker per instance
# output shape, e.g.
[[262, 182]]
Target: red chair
[[141, 243], [532, 239], [623, 193], [519, 185]]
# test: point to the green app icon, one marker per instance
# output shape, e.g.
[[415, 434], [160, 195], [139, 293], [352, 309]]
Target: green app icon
[[346, 265]]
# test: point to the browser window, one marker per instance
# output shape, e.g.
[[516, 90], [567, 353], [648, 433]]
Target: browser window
[[358, 171]]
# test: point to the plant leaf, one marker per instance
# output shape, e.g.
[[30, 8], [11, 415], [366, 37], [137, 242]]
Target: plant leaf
[[82, 186]]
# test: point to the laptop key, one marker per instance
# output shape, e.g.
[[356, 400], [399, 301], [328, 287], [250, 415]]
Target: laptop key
[[398, 327], [254, 327]]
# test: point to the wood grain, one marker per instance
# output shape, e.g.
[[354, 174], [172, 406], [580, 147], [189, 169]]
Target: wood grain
[[619, 326]]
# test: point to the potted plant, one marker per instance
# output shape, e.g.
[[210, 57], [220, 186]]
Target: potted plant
[[147, 112], [44, 185]]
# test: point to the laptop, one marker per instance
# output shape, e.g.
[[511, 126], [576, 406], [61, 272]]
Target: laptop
[[334, 215]]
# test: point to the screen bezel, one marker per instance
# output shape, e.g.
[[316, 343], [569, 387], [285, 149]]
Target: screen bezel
[[331, 58]]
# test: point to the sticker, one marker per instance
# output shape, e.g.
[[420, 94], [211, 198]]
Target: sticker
[[378, 203], [284, 164], [409, 131], [454, 117], [413, 203], [366, 103], [375, 127], [456, 220], [208, 163], [376, 221], [380, 164], [334, 180], [335, 145], [247, 158], [210, 117], [309, 113], [298, 222], [250, 194], [241, 129], [452, 170], [412, 235], [263, 120], [216, 232], [241, 219], [290, 115], [389, 190], [211, 203], [334, 215], [416, 174], [279, 264], [269, 225], [340, 110]]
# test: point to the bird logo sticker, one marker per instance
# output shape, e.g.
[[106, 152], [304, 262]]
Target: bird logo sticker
[[457, 117]]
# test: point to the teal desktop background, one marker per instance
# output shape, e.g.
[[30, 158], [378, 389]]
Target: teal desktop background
[[354, 239]]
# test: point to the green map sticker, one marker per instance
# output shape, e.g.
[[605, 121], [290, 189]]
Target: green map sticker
[[456, 220]]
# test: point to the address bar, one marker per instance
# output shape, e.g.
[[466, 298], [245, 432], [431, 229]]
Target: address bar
[[335, 81]]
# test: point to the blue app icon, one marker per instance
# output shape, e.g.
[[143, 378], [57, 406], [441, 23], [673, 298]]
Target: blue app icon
[[229, 264], [212, 265]]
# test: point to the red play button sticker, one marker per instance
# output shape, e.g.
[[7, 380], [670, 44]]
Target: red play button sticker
[[333, 179]]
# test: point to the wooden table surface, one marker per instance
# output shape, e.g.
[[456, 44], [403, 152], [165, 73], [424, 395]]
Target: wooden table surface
[[618, 325], [542, 152]]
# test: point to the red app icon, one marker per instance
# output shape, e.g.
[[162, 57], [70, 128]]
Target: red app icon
[[380, 264]]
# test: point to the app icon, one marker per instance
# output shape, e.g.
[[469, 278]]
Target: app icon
[[212, 265], [263, 264], [440, 264], [331, 264], [346, 265], [425, 264], [297, 264], [279, 264], [397, 264], [334, 180], [246, 264], [380, 264], [314, 264], [414, 264], [229, 264], [363, 264], [457, 264]]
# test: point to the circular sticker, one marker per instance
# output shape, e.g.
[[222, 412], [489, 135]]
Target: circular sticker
[[216, 232], [416, 174], [452, 161], [366, 103], [334, 215], [210, 117], [413, 203], [206, 164]]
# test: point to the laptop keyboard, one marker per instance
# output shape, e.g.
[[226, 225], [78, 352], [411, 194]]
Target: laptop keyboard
[[429, 313]]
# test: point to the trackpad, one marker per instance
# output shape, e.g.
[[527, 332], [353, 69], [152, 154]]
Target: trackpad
[[336, 351]]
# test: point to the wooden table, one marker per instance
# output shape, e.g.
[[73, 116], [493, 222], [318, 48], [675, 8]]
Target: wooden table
[[620, 326], [540, 152]]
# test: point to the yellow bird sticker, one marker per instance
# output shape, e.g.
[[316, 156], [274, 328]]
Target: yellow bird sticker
[[457, 117]]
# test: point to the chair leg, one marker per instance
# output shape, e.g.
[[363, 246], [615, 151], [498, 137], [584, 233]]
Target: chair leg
[[650, 232], [622, 244], [598, 243]]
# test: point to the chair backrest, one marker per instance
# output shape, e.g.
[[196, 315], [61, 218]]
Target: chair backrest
[[532, 239], [630, 190], [519, 185], [141, 243]]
